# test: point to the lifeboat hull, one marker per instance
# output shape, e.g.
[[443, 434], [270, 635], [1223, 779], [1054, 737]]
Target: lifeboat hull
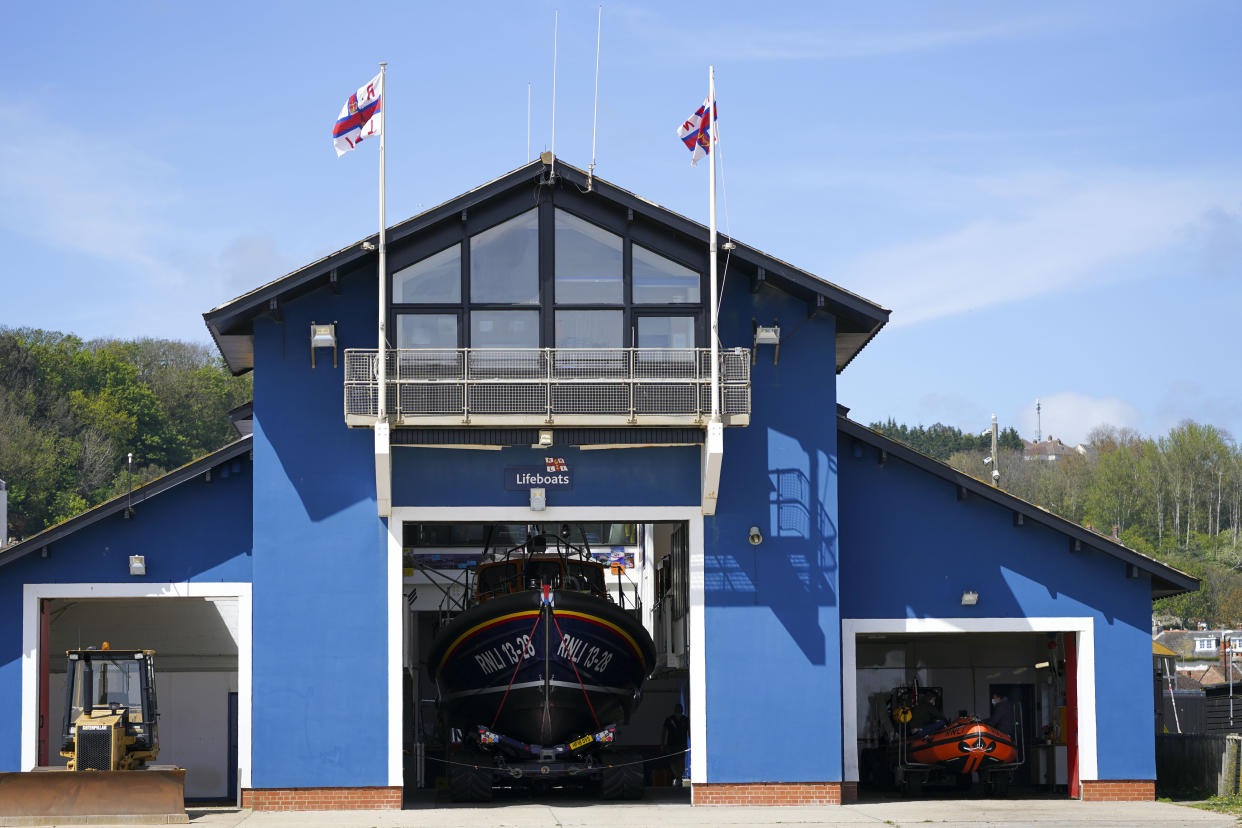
[[541, 674], [965, 746]]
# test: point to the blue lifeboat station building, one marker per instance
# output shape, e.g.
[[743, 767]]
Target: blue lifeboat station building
[[548, 365]]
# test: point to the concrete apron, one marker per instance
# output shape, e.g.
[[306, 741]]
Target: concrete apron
[[1016, 812]]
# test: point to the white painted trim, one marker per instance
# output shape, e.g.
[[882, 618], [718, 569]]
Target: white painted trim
[[32, 594], [569, 514], [1083, 627], [396, 647], [698, 653]]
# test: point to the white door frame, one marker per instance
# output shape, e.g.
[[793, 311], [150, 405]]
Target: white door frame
[[692, 515], [1084, 627], [32, 594]]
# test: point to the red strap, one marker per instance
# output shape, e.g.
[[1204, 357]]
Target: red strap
[[575, 666], [515, 672]]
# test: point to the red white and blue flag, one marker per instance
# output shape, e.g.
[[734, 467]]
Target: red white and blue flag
[[361, 117], [696, 132]]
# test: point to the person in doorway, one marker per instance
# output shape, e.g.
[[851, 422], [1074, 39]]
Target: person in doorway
[[675, 740], [1002, 714], [927, 715]]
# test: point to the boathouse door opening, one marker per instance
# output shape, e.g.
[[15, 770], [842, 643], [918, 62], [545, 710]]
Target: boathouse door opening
[[647, 565]]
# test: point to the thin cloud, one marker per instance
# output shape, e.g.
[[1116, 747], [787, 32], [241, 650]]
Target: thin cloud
[[822, 43], [1069, 416], [83, 192], [1038, 233]]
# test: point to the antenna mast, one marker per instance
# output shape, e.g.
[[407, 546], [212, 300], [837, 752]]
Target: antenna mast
[[1039, 427], [528, 122], [599, 24]]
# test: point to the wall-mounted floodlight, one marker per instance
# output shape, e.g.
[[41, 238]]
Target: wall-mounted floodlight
[[970, 598], [323, 336], [987, 460], [755, 536], [766, 335], [368, 246], [137, 565], [545, 438], [538, 500]]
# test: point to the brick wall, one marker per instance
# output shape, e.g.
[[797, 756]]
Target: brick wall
[[773, 793], [1118, 790], [321, 799]]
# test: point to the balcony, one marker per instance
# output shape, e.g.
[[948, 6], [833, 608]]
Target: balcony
[[547, 386]]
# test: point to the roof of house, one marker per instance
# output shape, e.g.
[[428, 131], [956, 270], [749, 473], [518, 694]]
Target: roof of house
[[125, 501], [1183, 681], [1165, 580], [231, 324]]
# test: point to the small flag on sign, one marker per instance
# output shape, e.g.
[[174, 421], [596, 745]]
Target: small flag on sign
[[696, 132], [361, 117]]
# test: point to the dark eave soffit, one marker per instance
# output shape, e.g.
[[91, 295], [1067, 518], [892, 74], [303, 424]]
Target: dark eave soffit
[[1165, 580], [230, 324]]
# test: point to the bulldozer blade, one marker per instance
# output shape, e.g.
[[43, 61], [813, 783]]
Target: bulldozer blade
[[55, 796]]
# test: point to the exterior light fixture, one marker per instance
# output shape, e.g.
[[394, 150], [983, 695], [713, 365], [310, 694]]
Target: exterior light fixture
[[323, 336], [538, 500], [970, 598], [545, 438], [756, 537], [137, 565], [767, 335]]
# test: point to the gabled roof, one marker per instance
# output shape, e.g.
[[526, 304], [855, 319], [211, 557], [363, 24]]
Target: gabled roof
[[1165, 580], [125, 501], [231, 324]]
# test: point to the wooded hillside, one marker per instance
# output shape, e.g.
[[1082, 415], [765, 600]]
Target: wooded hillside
[[71, 411], [1177, 498]]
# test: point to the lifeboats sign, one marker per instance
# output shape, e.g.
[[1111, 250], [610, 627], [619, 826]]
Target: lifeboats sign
[[553, 474]]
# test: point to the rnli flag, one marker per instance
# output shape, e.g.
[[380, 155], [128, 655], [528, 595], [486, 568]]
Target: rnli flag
[[361, 117], [696, 132]]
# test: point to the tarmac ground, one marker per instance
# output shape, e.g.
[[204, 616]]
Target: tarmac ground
[[671, 807]]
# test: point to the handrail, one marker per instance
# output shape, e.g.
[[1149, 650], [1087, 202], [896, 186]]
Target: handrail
[[631, 386]]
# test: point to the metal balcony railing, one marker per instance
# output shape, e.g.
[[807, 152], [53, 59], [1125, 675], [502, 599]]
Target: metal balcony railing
[[547, 386]]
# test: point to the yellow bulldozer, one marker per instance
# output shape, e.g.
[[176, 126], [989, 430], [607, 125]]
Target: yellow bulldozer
[[109, 735]]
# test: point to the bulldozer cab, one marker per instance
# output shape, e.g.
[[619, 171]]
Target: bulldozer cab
[[110, 729], [110, 694]]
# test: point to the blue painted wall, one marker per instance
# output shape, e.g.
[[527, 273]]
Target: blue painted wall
[[773, 628], [197, 531], [601, 477], [909, 549], [320, 583]]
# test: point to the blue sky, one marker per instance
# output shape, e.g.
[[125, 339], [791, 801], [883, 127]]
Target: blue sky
[[1048, 196]]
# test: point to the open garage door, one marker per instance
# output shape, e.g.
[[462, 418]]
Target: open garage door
[[645, 570], [196, 646], [963, 713]]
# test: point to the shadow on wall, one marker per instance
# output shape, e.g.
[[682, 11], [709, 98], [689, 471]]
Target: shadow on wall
[[910, 531], [793, 571], [298, 413]]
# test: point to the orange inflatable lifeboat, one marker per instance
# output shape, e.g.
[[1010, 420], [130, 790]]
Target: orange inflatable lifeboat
[[964, 746]]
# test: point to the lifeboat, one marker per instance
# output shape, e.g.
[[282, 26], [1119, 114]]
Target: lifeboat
[[964, 746], [543, 655]]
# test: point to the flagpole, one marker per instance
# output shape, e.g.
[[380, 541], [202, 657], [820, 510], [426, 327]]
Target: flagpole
[[382, 372], [711, 188]]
